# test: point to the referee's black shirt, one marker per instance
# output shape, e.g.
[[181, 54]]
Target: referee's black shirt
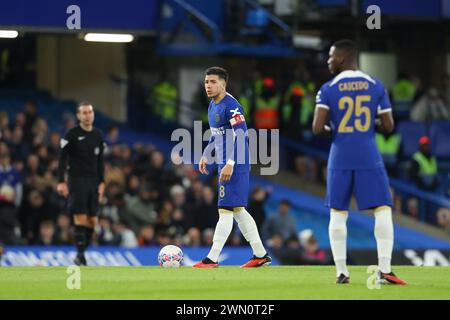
[[84, 150]]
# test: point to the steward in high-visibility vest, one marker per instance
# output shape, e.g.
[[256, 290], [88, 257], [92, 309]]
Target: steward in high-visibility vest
[[165, 100], [299, 104], [404, 90], [389, 146], [266, 114], [424, 169]]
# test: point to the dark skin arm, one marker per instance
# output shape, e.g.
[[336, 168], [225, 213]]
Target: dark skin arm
[[387, 122], [321, 117]]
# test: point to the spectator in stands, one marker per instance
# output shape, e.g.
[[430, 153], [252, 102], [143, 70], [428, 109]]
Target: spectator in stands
[[64, 232], [20, 120], [205, 212], [275, 243], [32, 214], [8, 216], [125, 237], [312, 254], [54, 145], [10, 176], [291, 253], [423, 170], [133, 185], [147, 236], [19, 149], [105, 233], [46, 234], [5, 131], [112, 135], [178, 198], [443, 218], [430, 108], [256, 204], [282, 222], [193, 237], [412, 208], [207, 237], [141, 209], [164, 219], [306, 167], [31, 116], [444, 91]]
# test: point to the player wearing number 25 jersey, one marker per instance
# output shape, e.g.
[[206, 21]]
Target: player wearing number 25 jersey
[[350, 102], [354, 99]]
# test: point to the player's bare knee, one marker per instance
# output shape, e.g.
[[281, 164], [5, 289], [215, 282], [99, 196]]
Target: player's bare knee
[[80, 219]]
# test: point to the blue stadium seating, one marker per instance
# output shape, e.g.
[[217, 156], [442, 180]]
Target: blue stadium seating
[[411, 132], [440, 139]]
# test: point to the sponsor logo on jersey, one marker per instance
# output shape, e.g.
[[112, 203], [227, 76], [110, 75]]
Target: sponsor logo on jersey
[[217, 131]]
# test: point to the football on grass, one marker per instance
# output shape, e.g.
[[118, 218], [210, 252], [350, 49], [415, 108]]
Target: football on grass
[[170, 257]]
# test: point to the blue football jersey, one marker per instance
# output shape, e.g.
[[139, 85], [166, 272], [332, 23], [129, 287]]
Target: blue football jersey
[[229, 134], [353, 99]]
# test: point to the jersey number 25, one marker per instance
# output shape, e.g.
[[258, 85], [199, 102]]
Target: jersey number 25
[[350, 106]]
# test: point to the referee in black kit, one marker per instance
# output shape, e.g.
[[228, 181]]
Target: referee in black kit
[[83, 146]]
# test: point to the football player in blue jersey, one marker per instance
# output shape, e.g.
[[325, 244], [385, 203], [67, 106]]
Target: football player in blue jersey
[[229, 140], [350, 103]]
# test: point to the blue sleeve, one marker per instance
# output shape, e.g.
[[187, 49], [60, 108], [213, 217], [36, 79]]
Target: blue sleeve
[[235, 115], [322, 100], [384, 104]]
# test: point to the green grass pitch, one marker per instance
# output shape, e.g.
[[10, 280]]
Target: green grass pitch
[[186, 283]]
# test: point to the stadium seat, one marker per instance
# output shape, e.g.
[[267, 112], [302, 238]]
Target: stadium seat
[[440, 137], [411, 132]]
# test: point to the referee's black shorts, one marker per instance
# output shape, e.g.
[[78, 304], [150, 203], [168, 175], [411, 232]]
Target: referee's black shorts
[[83, 195]]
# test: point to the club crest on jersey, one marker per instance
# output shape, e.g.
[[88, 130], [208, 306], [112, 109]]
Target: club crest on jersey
[[97, 151], [217, 117]]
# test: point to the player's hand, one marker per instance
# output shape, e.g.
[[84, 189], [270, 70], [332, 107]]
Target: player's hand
[[101, 191], [202, 166], [225, 174], [62, 189]]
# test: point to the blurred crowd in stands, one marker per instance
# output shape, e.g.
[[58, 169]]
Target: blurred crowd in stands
[[148, 200]]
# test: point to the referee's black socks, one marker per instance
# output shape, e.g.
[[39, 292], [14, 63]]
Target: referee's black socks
[[82, 239]]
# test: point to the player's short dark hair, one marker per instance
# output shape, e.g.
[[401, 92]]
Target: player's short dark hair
[[348, 46], [286, 202], [82, 104], [218, 71]]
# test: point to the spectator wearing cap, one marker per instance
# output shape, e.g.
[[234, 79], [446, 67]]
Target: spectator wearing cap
[[267, 105], [423, 170], [282, 222]]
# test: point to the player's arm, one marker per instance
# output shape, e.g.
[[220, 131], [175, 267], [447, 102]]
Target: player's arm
[[206, 155], [238, 124], [386, 123], [65, 145], [384, 110], [321, 112], [321, 118]]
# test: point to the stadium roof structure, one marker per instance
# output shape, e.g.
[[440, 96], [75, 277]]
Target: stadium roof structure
[[215, 27]]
